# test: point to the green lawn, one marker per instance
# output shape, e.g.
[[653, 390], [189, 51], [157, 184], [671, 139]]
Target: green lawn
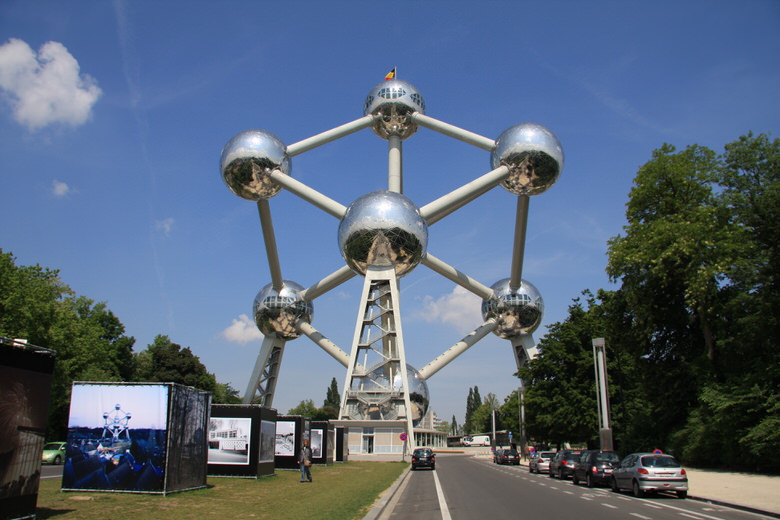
[[341, 491]]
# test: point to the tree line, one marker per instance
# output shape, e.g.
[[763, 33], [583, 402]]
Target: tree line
[[692, 330], [89, 340]]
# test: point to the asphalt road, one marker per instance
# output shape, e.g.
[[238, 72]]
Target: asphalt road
[[475, 488]]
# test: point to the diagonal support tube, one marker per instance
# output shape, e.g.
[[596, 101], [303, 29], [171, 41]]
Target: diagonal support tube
[[453, 131], [330, 135], [308, 194], [443, 206], [458, 348], [456, 276], [521, 224], [266, 223], [331, 281], [327, 345]]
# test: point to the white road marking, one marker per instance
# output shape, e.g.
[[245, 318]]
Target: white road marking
[[445, 511], [643, 517], [608, 505], [691, 516]]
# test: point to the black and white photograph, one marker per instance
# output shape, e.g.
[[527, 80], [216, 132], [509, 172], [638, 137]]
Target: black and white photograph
[[267, 441], [285, 439], [316, 444], [229, 439]]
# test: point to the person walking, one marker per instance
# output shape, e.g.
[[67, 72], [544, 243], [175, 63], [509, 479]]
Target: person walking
[[304, 460]]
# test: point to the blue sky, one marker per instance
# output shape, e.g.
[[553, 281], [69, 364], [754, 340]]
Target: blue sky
[[113, 116]]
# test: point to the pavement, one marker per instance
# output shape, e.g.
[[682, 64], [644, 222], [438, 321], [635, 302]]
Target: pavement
[[746, 491]]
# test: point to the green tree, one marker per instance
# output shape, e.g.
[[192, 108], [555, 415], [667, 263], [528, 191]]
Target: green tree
[[560, 398], [165, 361], [454, 429], [332, 403]]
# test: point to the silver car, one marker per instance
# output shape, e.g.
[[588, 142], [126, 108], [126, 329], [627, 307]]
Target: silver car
[[540, 462], [643, 472]]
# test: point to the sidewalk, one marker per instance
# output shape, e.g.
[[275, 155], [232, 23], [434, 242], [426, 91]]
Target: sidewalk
[[751, 492]]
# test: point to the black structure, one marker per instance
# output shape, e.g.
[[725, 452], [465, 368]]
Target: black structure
[[25, 387], [136, 437], [323, 442], [341, 453], [290, 432], [241, 441]]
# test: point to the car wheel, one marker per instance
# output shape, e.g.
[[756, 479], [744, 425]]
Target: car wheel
[[637, 490], [433, 466], [560, 475], [550, 474], [613, 485], [57, 460], [682, 494], [413, 468], [574, 479], [589, 481]]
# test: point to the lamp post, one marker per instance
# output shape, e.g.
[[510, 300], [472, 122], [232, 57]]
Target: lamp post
[[602, 393]]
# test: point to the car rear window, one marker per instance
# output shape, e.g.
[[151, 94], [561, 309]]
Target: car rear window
[[547, 454], [510, 452], [52, 446], [607, 457], [660, 462]]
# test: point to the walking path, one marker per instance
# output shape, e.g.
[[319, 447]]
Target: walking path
[[747, 491]]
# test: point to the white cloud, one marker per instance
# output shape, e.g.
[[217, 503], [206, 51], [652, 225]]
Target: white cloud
[[45, 88], [242, 330], [165, 225], [460, 308], [60, 189]]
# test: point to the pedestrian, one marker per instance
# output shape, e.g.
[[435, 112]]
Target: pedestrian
[[304, 459]]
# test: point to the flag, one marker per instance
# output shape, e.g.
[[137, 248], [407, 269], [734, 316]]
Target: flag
[[391, 74]]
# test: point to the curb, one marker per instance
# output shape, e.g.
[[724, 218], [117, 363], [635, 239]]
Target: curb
[[735, 506], [379, 507]]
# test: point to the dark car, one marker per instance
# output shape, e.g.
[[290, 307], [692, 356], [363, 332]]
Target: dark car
[[562, 465], [509, 456], [595, 467], [423, 458]]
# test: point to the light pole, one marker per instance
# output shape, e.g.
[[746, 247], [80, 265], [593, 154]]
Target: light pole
[[602, 393]]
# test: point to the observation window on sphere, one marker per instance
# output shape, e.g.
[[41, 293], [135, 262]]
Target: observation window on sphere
[[369, 100], [391, 92], [417, 98]]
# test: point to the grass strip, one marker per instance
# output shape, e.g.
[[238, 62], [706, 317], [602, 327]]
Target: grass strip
[[339, 492]]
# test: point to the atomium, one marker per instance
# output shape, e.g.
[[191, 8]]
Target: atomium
[[248, 159], [517, 312], [395, 101], [277, 312], [533, 155], [383, 228]]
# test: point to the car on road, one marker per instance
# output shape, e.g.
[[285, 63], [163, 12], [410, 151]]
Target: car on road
[[476, 440], [595, 467], [423, 458], [650, 472], [53, 453], [507, 456], [540, 462], [562, 465]]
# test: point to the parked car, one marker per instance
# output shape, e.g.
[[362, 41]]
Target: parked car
[[595, 467], [540, 462], [53, 453], [507, 456], [562, 465], [423, 458], [649, 472]]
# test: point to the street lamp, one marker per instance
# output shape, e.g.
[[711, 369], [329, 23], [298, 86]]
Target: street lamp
[[602, 393]]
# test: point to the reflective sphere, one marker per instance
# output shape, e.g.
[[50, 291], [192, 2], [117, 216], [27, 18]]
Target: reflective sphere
[[378, 383], [533, 155], [395, 100], [383, 228], [517, 312], [246, 161], [276, 312]]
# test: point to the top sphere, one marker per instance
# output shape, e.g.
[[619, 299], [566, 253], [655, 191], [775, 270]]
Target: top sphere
[[248, 159], [383, 228], [395, 101], [534, 157]]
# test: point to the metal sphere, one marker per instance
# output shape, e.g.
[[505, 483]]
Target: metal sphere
[[517, 312], [276, 312], [534, 156], [383, 228], [395, 100], [248, 158], [379, 386]]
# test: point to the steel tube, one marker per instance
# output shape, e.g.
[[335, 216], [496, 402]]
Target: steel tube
[[443, 206], [330, 135]]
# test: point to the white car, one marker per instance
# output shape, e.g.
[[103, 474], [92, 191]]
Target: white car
[[476, 440]]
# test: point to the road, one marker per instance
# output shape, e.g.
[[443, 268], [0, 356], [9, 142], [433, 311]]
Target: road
[[464, 487]]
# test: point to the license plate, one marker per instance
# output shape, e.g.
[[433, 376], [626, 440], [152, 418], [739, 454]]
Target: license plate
[[608, 470]]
